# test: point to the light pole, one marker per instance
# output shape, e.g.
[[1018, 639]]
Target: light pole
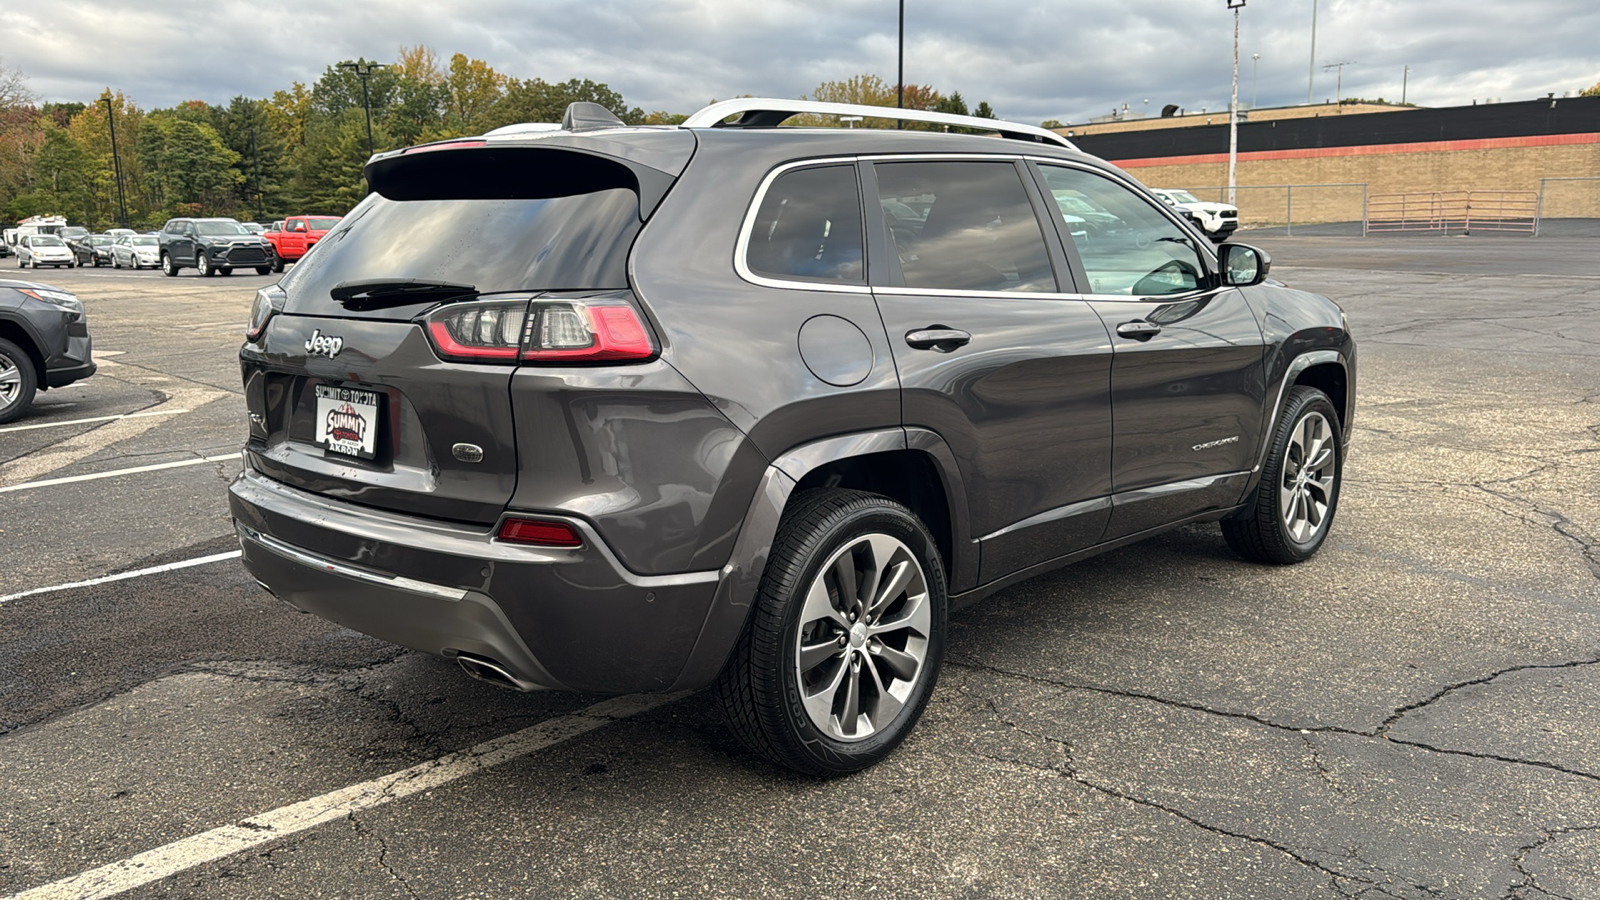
[[1255, 59], [1404, 78], [364, 71], [1311, 79], [900, 68], [1233, 108], [116, 161]]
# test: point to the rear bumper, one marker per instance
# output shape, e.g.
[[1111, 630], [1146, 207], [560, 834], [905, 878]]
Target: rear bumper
[[565, 619]]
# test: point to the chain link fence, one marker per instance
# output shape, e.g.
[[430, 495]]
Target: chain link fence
[[1337, 209]]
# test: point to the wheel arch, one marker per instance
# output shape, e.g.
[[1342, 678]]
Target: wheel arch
[[19, 334], [912, 466]]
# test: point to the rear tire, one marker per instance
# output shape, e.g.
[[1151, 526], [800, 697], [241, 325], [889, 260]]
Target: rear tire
[[843, 646], [1293, 507], [18, 381]]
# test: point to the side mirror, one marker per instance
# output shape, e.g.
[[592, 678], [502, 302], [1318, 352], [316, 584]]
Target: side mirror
[[1243, 265]]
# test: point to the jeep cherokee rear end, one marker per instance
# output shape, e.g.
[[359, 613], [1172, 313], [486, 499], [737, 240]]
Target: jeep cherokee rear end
[[473, 447]]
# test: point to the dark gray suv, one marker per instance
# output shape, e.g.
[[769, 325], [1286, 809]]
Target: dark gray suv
[[44, 343], [651, 409]]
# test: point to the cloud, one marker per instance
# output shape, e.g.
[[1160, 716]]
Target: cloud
[[1031, 61]]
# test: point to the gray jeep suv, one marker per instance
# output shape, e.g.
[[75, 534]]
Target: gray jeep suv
[[651, 409]]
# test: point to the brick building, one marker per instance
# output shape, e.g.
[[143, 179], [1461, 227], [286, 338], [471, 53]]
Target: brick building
[[1367, 150]]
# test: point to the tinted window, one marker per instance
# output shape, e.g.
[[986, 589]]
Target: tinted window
[[323, 224], [1128, 248], [809, 227], [559, 243], [964, 226]]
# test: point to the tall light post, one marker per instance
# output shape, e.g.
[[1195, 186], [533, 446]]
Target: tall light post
[[116, 162], [1233, 109], [1311, 79], [1255, 59], [364, 70], [900, 67]]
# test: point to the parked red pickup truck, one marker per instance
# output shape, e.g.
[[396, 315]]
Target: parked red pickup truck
[[291, 238]]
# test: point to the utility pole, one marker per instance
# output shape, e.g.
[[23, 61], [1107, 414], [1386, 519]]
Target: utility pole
[[1233, 108], [116, 161], [1403, 79], [1255, 59], [900, 68], [364, 70], [1311, 79], [1338, 90]]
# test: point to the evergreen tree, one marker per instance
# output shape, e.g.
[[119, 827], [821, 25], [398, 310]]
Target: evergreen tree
[[328, 178], [246, 128]]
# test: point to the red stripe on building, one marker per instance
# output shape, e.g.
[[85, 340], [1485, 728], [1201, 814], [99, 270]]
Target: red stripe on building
[[1537, 140]]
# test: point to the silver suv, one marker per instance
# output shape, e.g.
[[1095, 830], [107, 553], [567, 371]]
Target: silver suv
[[651, 409]]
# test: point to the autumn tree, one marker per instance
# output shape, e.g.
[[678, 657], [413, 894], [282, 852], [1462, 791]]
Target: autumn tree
[[1592, 92], [537, 100]]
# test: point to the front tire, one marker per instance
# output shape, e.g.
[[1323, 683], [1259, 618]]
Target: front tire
[[263, 270], [202, 264], [846, 637], [18, 381], [1293, 507], [168, 266]]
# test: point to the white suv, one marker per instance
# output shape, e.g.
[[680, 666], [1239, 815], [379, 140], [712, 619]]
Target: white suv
[[1217, 220]]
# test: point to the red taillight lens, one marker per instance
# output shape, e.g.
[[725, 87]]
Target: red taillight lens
[[540, 532], [543, 330], [487, 331], [579, 331], [269, 301]]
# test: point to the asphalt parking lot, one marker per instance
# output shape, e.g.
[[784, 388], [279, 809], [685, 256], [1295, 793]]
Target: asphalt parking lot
[[1413, 713]]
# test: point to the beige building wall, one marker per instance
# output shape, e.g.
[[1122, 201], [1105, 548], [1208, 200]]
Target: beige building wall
[[1496, 165]]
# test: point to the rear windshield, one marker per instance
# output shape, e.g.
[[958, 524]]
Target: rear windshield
[[560, 243]]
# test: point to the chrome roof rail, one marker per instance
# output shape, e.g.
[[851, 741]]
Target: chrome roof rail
[[766, 112]]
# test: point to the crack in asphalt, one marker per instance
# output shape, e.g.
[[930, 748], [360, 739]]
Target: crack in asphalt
[[1394, 718], [1520, 859], [383, 854], [1340, 879], [1380, 734]]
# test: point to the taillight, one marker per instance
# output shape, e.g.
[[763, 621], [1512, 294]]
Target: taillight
[[269, 300], [540, 532], [593, 329]]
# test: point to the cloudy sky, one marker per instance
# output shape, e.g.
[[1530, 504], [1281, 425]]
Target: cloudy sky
[[1031, 59]]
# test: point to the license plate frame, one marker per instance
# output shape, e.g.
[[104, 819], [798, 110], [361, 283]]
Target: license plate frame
[[347, 420]]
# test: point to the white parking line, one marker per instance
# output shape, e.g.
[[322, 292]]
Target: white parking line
[[94, 476], [197, 850], [124, 576], [137, 415]]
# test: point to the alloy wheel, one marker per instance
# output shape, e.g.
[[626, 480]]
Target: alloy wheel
[[863, 637], [10, 382], [1308, 473]]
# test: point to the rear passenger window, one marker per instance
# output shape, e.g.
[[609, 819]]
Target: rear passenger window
[[809, 227], [964, 226]]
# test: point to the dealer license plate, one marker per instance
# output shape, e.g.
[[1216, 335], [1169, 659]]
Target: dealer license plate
[[347, 421]]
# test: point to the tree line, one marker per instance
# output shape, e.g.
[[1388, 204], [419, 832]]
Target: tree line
[[302, 149]]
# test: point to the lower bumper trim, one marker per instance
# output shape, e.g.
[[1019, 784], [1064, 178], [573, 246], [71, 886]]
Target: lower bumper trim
[[400, 583]]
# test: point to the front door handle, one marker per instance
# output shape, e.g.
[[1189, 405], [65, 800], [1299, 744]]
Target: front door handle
[[937, 337], [1138, 329]]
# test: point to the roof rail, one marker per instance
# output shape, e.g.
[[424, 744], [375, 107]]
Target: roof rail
[[755, 112]]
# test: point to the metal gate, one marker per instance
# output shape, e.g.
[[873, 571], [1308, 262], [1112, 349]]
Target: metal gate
[[1443, 212]]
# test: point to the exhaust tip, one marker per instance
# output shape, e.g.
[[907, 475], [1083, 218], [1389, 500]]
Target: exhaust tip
[[486, 669]]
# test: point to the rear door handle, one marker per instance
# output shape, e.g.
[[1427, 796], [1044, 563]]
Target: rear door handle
[[1138, 329], [937, 337]]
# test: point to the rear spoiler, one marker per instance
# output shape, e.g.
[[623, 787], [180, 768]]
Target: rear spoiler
[[476, 169]]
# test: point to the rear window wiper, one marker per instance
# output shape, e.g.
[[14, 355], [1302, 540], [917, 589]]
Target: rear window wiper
[[377, 293]]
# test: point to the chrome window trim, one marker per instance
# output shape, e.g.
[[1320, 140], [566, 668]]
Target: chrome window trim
[[742, 247]]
